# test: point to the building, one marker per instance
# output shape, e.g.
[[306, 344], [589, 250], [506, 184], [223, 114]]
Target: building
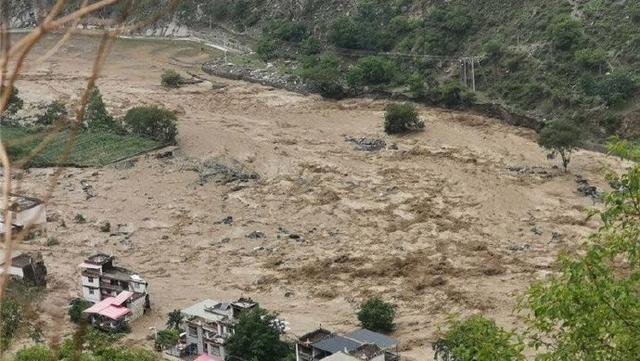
[[26, 266], [114, 313], [362, 344], [26, 213], [209, 324], [101, 280]]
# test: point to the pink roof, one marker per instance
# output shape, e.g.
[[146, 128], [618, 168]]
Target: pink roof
[[111, 306], [205, 357]]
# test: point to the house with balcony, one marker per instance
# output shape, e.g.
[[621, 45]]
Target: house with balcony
[[113, 313], [209, 324], [361, 344], [102, 280]]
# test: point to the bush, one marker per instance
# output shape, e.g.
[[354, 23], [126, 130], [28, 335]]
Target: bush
[[152, 122], [310, 46], [346, 33], [325, 76], [445, 29], [400, 118], [566, 33], [285, 30], [76, 308], [171, 79], [167, 339], [15, 102], [267, 48], [96, 116], [54, 112], [256, 338], [614, 89], [35, 353], [416, 84], [591, 59], [377, 315], [455, 95], [371, 70], [493, 48]]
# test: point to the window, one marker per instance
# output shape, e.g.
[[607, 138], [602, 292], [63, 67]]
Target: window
[[91, 291], [193, 331], [90, 279]]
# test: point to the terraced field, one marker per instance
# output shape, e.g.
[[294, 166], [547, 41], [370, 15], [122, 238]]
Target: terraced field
[[89, 149]]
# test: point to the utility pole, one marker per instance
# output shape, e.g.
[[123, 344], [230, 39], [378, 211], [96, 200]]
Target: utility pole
[[473, 74]]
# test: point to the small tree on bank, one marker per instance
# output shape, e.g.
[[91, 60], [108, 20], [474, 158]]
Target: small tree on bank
[[563, 138], [152, 122], [96, 116], [377, 315], [174, 319], [401, 118], [171, 79]]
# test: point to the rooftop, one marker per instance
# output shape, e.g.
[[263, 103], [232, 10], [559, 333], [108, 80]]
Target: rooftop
[[340, 356], [378, 339], [315, 336], [19, 203], [99, 259], [205, 310], [337, 343]]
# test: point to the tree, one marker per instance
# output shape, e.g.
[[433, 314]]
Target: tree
[[15, 102], [400, 118], [377, 315], [78, 305], [11, 319], [152, 122], [96, 116], [591, 309], [324, 75], [566, 33], [167, 338], [371, 70], [477, 339], [256, 338], [53, 112], [35, 353], [561, 137], [174, 319], [171, 79]]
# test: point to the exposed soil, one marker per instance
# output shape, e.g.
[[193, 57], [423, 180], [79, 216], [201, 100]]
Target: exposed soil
[[446, 223]]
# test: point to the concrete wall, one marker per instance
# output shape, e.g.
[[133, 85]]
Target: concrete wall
[[137, 308], [31, 217], [95, 297]]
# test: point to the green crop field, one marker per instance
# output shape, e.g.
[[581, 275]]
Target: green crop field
[[90, 149]]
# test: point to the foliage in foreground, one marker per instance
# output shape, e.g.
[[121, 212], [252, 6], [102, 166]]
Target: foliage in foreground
[[78, 305], [96, 116], [152, 122], [377, 315], [256, 338], [400, 118], [477, 339]]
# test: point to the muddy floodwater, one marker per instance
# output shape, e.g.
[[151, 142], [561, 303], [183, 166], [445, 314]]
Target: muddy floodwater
[[456, 219]]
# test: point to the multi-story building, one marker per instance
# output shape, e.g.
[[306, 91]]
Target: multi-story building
[[102, 280], [26, 213], [209, 324]]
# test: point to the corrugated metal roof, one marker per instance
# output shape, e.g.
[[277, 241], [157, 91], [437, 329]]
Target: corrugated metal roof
[[378, 339], [200, 310], [122, 298], [111, 306], [336, 344]]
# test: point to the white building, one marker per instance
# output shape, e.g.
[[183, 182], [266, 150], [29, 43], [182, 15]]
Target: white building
[[26, 212], [102, 280], [209, 324]]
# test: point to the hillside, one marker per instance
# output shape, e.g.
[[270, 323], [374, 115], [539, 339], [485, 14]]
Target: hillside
[[549, 59]]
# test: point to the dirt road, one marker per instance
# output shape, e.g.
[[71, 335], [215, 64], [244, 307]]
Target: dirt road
[[460, 218]]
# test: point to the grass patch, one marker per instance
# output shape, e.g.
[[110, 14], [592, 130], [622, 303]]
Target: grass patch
[[90, 149]]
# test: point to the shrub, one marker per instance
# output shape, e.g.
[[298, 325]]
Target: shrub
[[77, 306], [267, 48], [566, 33], [591, 59], [377, 315], [561, 137], [493, 48], [96, 116], [400, 118], [445, 28], [167, 339], [346, 33], [171, 79], [54, 112], [324, 75], [11, 318], [372, 70], [15, 102], [416, 84], [310, 46], [152, 122], [256, 338], [285, 30], [614, 89], [453, 95], [35, 353]]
